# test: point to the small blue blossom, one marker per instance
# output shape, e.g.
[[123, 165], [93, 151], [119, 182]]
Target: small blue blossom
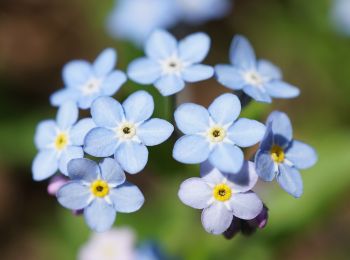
[[84, 82], [59, 141], [259, 79], [215, 133], [125, 130], [170, 64], [340, 15], [150, 251], [280, 156], [99, 189], [222, 196]]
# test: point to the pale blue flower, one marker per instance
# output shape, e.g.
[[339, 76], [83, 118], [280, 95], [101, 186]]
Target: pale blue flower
[[259, 79], [222, 196], [124, 130], [215, 133], [84, 82], [101, 190], [170, 64], [340, 15], [59, 141], [280, 156]]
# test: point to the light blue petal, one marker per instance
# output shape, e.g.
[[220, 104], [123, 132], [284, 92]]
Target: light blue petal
[[257, 93], [144, 71], [45, 134], [194, 48], [246, 205], [268, 70], [45, 164], [216, 219], [127, 198], [107, 112], [191, 149], [169, 84], [246, 132], [267, 142], [195, 192], [76, 73], [132, 156], [160, 45], [64, 95], [112, 83], [85, 101], [265, 166], [154, 131], [241, 53], [280, 89], [71, 152], [105, 62], [290, 180], [225, 109], [197, 72], [138, 107], [80, 129], [83, 169], [301, 155], [227, 158], [230, 76], [73, 195], [281, 127], [245, 179], [67, 115], [100, 142], [99, 215], [112, 172], [192, 118]]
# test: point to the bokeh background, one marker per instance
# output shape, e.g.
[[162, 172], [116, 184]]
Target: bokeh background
[[38, 37]]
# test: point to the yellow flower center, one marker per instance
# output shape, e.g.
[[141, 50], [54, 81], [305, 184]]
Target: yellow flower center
[[99, 188], [127, 131], [222, 192], [61, 141], [216, 134], [277, 154]]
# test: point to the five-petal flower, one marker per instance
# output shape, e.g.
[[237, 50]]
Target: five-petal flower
[[215, 134], [99, 189], [125, 130], [259, 79], [170, 64], [222, 196], [280, 156], [59, 141], [84, 82]]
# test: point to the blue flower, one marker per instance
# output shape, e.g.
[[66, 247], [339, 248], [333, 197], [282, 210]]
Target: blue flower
[[215, 134], [222, 196], [340, 15], [170, 64], [136, 19], [101, 190], [259, 79], [59, 141], [150, 250], [125, 130], [280, 156], [84, 82]]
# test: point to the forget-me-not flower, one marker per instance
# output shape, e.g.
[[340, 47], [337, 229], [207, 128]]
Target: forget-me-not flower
[[169, 64], [280, 156], [125, 130], [340, 15], [84, 82], [259, 79], [59, 141], [222, 196], [215, 133], [99, 189]]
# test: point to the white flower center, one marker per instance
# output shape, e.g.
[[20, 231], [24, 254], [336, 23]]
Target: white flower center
[[91, 87], [126, 130], [253, 78], [171, 65], [216, 134]]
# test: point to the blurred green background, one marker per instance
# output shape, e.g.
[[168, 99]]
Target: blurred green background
[[37, 37]]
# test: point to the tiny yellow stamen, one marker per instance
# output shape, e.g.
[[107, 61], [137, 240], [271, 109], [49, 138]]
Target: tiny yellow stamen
[[222, 192], [127, 131], [277, 154], [100, 188], [61, 141], [216, 134]]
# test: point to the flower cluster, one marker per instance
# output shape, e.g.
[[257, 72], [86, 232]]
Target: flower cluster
[[119, 134]]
